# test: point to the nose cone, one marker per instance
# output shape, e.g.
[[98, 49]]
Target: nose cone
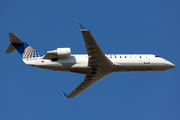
[[169, 65]]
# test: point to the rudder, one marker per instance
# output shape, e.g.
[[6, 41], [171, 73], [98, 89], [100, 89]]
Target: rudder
[[23, 48]]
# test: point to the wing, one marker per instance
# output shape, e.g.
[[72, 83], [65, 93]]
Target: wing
[[87, 82], [100, 65], [96, 55]]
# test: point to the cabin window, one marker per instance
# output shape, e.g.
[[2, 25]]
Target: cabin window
[[125, 56], [139, 56], [120, 56], [115, 56]]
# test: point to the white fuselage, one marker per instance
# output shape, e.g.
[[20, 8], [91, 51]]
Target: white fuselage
[[122, 62], [95, 64]]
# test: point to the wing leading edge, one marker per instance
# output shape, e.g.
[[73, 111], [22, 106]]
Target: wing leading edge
[[100, 65]]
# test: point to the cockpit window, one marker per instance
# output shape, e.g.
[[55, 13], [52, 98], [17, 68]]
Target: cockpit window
[[157, 56]]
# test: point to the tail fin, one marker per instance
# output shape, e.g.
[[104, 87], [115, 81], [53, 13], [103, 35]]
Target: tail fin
[[23, 48], [14, 40]]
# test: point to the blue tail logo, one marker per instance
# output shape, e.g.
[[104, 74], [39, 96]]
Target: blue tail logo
[[29, 52], [23, 48]]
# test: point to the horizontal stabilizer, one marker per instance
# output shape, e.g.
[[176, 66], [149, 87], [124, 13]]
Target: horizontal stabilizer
[[10, 49], [14, 40], [23, 48]]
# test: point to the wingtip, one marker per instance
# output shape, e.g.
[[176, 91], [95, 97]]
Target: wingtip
[[81, 27], [64, 94]]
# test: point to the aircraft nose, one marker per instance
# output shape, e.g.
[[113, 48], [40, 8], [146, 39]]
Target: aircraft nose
[[169, 65]]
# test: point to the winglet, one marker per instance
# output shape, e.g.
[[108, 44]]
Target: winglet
[[64, 94], [81, 27]]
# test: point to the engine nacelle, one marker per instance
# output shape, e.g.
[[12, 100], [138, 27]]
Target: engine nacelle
[[61, 52]]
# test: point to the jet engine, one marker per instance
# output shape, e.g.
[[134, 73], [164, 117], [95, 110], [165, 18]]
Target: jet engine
[[60, 52]]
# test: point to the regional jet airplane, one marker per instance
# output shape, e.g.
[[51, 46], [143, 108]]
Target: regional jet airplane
[[95, 64]]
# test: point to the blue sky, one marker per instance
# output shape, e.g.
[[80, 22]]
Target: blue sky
[[119, 27]]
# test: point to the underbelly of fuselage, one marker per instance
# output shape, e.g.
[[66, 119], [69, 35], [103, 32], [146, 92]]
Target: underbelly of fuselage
[[139, 67], [82, 67]]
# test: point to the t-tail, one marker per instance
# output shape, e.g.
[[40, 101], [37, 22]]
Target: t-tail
[[22, 47]]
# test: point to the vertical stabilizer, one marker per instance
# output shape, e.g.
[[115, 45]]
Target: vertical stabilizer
[[23, 48], [14, 39]]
